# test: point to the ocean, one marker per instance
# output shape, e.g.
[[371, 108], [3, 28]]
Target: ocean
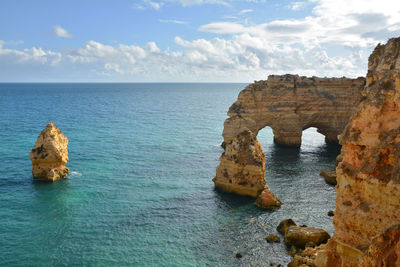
[[139, 191]]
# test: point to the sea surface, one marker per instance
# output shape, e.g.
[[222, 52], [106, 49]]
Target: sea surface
[[139, 192]]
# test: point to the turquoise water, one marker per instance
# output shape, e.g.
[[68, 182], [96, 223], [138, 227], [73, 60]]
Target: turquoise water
[[139, 192]]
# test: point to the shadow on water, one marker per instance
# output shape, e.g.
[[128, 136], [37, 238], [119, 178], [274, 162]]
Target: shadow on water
[[232, 201]]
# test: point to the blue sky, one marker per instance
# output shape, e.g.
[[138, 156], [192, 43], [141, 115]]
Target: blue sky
[[189, 40]]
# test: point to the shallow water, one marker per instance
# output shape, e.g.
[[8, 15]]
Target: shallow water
[[139, 191]]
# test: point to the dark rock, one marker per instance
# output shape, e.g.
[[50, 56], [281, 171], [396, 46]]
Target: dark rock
[[238, 255], [300, 236], [331, 213], [283, 225], [273, 238]]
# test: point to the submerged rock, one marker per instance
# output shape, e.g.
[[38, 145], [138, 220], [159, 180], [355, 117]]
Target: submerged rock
[[300, 236], [50, 154], [329, 176]]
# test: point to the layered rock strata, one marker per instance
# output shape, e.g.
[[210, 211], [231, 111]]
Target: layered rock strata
[[291, 103], [368, 178], [50, 154]]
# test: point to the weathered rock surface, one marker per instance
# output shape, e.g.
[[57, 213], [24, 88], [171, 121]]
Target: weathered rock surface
[[268, 200], [290, 103], [242, 166], [368, 189], [300, 236], [50, 154]]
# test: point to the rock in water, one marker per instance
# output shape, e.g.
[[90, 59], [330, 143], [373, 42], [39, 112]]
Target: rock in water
[[329, 176], [268, 200], [50, 154], [299, 236], [242, 166], [273, 238], [368, 178], [283, 225]]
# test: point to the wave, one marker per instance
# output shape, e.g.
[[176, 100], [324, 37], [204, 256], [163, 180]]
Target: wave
[[75, 174]]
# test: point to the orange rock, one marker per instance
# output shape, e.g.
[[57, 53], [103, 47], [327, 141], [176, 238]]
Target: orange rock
[[50, 154], [268, 200], [368, 177], [242, 166], [291, 103]]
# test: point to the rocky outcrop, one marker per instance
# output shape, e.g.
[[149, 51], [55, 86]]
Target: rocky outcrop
[[368, 178], [288, 104], [50, 154], [291, 103]]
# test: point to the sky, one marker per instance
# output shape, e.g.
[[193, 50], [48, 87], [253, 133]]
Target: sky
[[189, 40]]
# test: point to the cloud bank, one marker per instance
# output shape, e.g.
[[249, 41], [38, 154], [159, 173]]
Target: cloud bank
[[335, 40]]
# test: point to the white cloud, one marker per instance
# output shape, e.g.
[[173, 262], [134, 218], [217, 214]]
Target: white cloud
[[61, 32], [156, 5], [335, 40], [244, 11], [174, 21], [297, 5]]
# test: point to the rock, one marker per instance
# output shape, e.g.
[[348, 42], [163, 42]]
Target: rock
[[283, 225], [291, 103], [300, 236], [307, 257], [329, 175], [273, 239], [331, 213], [238, 255], [384, 250], [268, 200], [368, 177], [242, 166], [50, 154]]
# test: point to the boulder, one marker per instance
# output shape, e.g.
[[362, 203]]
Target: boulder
[[300, 236], [283, 225]]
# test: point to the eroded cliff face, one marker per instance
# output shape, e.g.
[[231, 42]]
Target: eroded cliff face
[[368, 178], [50, 154], [290, 103]]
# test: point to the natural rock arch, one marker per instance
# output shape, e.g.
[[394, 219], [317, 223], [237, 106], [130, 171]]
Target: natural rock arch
[[288, 104]]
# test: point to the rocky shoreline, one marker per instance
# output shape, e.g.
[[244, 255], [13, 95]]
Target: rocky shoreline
[[367, 217]]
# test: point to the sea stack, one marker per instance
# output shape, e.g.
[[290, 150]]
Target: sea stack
[[242, 170], [50, 154], [367, 215]]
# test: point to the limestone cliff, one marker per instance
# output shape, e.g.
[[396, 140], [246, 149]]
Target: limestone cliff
[[290, 103], [368, 178], [50, 154]]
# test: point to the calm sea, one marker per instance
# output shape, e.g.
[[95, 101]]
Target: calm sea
[[139, 192]]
